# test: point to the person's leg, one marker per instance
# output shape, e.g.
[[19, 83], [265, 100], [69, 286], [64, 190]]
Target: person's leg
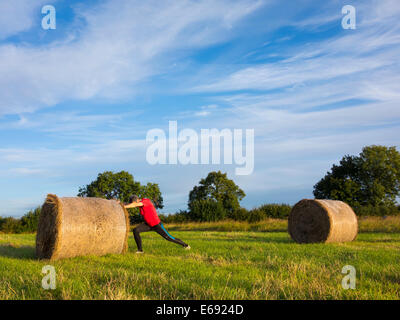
[[143, 227], [159, 228]]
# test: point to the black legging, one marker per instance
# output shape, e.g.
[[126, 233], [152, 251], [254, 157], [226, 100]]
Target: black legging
[[159, 228]]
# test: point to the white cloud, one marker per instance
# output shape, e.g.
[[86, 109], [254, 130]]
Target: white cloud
[[18, 15], [123, 43], [54, 159], [26, 171], [202, 113], [355, 64]]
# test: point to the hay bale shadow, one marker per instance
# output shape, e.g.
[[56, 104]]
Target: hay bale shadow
[[18, 252]]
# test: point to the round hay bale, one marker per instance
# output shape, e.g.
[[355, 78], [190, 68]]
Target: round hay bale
[[313, 221], [70, 227]]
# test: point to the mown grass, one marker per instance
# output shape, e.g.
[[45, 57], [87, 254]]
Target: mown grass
[[221, 265]]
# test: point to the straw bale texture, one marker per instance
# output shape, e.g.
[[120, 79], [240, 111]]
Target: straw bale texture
[[70, 227], [313, 221]]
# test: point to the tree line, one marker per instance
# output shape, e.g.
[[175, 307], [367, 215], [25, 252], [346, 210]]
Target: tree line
[[369, 182]]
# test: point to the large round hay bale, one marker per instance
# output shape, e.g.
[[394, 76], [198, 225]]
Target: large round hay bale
[[70, 227], [313, 221]]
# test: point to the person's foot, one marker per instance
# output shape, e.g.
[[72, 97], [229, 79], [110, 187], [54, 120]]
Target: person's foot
[[187, 247], [139, 251]]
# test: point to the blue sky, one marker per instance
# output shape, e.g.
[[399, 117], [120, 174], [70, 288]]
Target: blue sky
[[80, 99]]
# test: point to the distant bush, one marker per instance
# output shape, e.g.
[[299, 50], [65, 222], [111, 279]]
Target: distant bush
[[261, 213], [10, 225], [240, 214], [278, 211], [255, 215], [179, 217], [206, 210], [28, 223], [211, 210], [379, 211]]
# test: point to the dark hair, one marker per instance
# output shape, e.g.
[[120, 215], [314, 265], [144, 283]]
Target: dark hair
[[133, 198]]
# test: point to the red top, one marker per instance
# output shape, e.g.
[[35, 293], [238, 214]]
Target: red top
[[149, 213]]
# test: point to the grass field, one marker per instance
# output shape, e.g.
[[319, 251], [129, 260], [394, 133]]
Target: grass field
[[221, 265]]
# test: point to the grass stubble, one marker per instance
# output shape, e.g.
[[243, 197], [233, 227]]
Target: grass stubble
[[228, 260]]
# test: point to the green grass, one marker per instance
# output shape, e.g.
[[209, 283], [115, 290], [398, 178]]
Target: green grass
[[221, 265]]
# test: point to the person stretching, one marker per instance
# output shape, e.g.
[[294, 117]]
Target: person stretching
[[152, 222]]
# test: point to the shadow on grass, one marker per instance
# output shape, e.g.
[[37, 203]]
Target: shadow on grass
[[18, 252]]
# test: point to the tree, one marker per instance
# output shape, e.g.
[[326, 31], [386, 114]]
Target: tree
[[372, 178], [121, 185], [217, 187], [206, 210], [30, 220]]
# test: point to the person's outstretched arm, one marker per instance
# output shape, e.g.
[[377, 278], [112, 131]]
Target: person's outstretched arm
[[133, 205]]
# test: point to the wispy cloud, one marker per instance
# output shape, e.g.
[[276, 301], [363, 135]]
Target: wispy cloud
[[122, 44], [26, 171], [18, 15]]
